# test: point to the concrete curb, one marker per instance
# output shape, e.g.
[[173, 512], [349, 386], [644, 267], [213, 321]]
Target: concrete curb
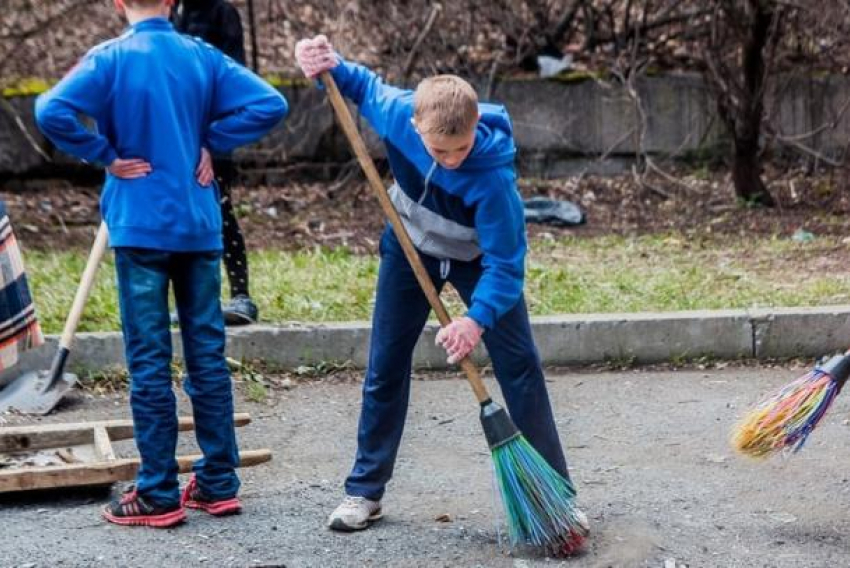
[[561, 340]]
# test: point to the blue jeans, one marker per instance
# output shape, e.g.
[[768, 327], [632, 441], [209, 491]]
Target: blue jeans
[[401, 311], [143, 279]]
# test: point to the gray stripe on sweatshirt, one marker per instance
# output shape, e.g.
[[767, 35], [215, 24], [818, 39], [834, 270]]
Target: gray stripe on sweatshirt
[[433, 234]]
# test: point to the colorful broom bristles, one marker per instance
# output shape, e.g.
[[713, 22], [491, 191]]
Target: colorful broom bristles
[[539, 502], [783, 421]]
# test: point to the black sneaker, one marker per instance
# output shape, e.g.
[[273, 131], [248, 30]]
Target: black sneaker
[[240, 310], [134, 510]]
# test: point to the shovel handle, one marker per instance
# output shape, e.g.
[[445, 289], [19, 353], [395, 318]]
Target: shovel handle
[[57, 367], [86, 281], [374, 178]]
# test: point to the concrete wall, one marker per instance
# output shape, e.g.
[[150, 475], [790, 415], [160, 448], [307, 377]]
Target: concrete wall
[[561, 127], [557, 124]]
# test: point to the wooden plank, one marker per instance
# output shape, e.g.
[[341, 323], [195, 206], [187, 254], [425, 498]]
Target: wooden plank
[[38, 437], [26, 438], [123, 430], [102, 444], [100, 473]]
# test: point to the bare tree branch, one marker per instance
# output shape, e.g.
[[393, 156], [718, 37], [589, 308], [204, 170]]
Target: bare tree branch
[[414, 51], [16, 118]]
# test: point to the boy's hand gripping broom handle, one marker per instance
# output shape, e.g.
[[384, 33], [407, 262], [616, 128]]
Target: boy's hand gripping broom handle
[[356, 141]]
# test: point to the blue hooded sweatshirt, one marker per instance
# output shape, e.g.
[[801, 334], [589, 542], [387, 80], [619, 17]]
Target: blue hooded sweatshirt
[[463, 214], [159, 96]]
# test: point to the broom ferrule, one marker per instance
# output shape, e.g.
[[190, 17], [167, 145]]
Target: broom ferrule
[[838, 367], [498, 427]]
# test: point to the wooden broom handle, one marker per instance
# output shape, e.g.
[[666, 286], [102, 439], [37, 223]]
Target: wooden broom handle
[[359, 147]]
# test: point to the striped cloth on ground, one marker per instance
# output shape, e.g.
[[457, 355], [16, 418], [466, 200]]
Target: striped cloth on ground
[[19, 328]]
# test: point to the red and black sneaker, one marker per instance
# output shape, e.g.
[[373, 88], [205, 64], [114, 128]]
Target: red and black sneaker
[[194, 498], [134, 510]]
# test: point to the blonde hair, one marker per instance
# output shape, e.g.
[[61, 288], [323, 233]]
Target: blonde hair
[[446, 105]]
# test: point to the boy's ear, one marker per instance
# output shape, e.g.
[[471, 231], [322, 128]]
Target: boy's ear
[[119, 6]]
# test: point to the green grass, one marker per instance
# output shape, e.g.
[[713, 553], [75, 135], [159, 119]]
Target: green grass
[[669, 273], [572, 275]]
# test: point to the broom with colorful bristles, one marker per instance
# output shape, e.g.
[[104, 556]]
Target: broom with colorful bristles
[[538, 501], [784, 420]]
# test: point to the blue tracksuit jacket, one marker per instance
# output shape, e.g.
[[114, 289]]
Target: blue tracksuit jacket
[[469, 212], [159, 96]]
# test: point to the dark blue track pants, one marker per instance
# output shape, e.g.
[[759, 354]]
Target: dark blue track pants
[[401, 311]]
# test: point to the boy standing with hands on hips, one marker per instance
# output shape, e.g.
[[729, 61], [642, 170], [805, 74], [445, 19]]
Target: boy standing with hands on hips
[[163, 103]]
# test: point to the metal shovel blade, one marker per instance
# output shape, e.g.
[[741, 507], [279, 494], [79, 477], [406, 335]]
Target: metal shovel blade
[[27, 394]]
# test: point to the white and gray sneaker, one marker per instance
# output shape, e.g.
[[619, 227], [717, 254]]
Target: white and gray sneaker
[[355, 514]]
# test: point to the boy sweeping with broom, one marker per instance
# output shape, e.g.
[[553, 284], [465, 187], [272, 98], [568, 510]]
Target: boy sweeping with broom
[[455, 191], [162, 103]]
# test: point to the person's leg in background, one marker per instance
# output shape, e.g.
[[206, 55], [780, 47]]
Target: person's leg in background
[[240, 310]]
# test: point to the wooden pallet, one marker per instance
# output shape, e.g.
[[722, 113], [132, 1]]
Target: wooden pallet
[[81, 454]]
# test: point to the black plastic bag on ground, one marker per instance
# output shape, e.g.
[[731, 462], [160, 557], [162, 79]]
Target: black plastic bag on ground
[[553, 212]]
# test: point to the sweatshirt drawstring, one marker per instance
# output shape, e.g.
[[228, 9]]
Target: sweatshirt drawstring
[[427, 181], [445, 263]]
